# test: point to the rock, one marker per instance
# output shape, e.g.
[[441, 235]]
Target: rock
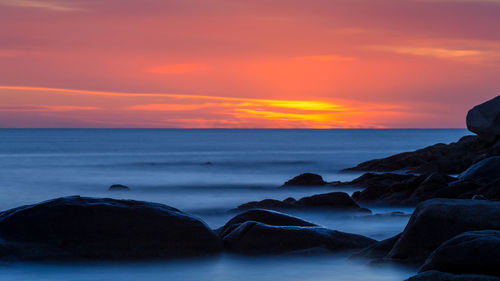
[[333, 200], [441, 276], [101, 228], [269, 204], [118, 187], [377, 250], [402, 189], [452, 158], [476, 252], [257, 238], [484, 119], [307, 179], [484, 172], [437, 220], [263, 216]]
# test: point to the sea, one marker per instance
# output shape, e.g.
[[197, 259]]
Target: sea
[[207, 173]]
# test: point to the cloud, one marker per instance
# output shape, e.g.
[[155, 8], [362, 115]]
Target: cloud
[[329, 58], [46, 108], [46, 5], [146, 109], [178, 68]]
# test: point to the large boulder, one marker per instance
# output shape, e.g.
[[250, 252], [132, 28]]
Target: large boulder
[[306, 179], [101, 228], [263, 216], [257, 238], [437, 220], [442, 276], [484, 172], [475, 252], [484, 119]]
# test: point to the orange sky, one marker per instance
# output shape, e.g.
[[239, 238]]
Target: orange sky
[[246, 64]]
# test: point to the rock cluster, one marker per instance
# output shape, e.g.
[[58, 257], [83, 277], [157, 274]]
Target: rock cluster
[[451, 239], [332, 200]]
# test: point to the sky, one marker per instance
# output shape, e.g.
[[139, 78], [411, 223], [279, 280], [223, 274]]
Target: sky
[[246, 64]]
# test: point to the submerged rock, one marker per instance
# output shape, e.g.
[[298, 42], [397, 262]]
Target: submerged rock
[[262, 216], [333, 200], [484, 119], [441, 276], [437, 220], [101, 228], [475, 252], [118, 187], [306, 179], [257, 238]]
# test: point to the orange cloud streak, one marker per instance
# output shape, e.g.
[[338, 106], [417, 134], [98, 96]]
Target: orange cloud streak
[[178, 110]]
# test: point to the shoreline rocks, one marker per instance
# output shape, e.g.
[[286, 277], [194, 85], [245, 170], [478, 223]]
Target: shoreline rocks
[[437, 220], [77, 227], [332, 201]]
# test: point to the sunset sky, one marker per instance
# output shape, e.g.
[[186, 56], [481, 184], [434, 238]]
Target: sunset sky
[[246, 64]]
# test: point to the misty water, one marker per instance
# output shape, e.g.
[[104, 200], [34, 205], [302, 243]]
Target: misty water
[[206, 173]]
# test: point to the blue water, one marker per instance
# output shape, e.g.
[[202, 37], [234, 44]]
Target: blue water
[[170, 167]]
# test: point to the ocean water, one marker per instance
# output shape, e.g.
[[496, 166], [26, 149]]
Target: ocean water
[[206, 173]]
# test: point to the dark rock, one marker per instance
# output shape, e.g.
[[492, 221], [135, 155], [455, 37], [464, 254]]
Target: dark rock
[[307, 179], [484, 172], [378, 250], [441, 276], [118, 187], [475, 252], [270, 204], [263, 216], [332, 200], [437, 220], [484, 119], [258, 238], [452, 158], [101, 228], [400, 189]]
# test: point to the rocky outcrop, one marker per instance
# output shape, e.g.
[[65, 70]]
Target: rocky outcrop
[[101, 228], [332, 201], [452, 158], [118, 187], [262, 216], [476, 252], [437, 220], [441, 276], [402, 189], [306, 179], [484, 119], [257, 238]]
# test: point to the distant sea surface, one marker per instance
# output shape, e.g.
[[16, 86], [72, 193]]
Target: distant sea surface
[[205, 172]]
